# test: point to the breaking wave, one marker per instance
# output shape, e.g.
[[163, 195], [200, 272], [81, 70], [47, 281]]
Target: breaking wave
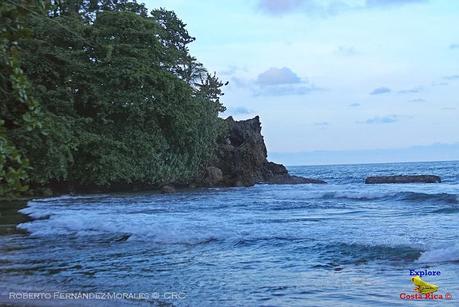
[[398, 196], [446, 254]]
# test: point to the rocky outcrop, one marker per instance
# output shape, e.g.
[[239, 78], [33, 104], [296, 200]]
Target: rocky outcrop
[[213, 177], [277, 174], [242, 159], [403, 179], [167, 189]]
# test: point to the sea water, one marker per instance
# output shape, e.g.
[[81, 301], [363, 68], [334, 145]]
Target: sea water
[[345, 243]]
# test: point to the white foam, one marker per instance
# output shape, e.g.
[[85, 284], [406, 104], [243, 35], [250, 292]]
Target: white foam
[[84, 220], [447, 254], [69, 197], [37, 214]]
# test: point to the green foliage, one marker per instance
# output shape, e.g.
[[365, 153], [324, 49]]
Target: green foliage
[[118, 96], [13, 172], [19, 111]]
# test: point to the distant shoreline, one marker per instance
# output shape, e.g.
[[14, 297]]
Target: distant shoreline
[[370, 163], [427, 153]]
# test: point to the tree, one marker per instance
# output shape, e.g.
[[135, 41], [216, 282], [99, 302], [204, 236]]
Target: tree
[[19, 111], [121, 101]]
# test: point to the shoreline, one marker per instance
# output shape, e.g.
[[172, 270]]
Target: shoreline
[[10, 216], [240, 160]]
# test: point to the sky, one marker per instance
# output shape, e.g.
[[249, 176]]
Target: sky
[[358, 77]]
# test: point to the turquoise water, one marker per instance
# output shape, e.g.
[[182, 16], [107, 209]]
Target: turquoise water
[[345, 243]]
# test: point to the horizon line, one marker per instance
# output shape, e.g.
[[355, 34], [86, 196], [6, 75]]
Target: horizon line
[[369, 163]]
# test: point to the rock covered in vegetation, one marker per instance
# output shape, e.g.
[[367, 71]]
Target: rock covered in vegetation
[[242, 158], [403, 179], [119, 105]]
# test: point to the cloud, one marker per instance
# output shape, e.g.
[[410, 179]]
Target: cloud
[[387, 119], [240, 82], [439, 83], [239, 110], [286, 90], [380, 91], [354, 105], [454, 46], [312, 7], [417, 100], [276, 76], [346, 51], [385, 3], [453, 77], [413, 90], [276, 82], [325, 7], [279, 7], [232, 70], [281, 82]]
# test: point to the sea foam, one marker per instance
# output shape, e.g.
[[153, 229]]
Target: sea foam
[[446, 254]]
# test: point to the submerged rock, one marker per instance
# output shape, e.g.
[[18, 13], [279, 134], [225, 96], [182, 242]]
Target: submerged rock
[[242, 158], [403, 179]]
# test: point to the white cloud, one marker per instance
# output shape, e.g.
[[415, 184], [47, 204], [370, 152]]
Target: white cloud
[[278, 76], [387, 119], [326, 7]]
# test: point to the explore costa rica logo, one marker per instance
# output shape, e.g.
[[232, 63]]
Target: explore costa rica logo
[[424, 290]]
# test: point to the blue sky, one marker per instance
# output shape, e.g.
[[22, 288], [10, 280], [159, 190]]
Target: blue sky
[[356, 75]]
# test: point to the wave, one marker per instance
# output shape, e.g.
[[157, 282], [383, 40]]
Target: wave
[[37, 214], [266, 240], [356, 253], [422, 197], [398, 196], [365, 196], [447, 210], [123, 227], [69, 197], [447, 254]]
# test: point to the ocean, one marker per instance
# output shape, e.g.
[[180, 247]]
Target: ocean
[[344, 243]]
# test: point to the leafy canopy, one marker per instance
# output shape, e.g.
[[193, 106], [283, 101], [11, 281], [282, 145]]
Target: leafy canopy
[[117, 97]]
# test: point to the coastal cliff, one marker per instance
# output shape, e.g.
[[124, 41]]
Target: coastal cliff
[[242, 159]]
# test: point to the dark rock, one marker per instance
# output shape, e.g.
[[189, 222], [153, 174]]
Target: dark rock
[[242, 158], [403, 179], [290, 179], [166, 189], [277, 174], [238, 184], [274, 169], [214, 176], [243, 153]]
